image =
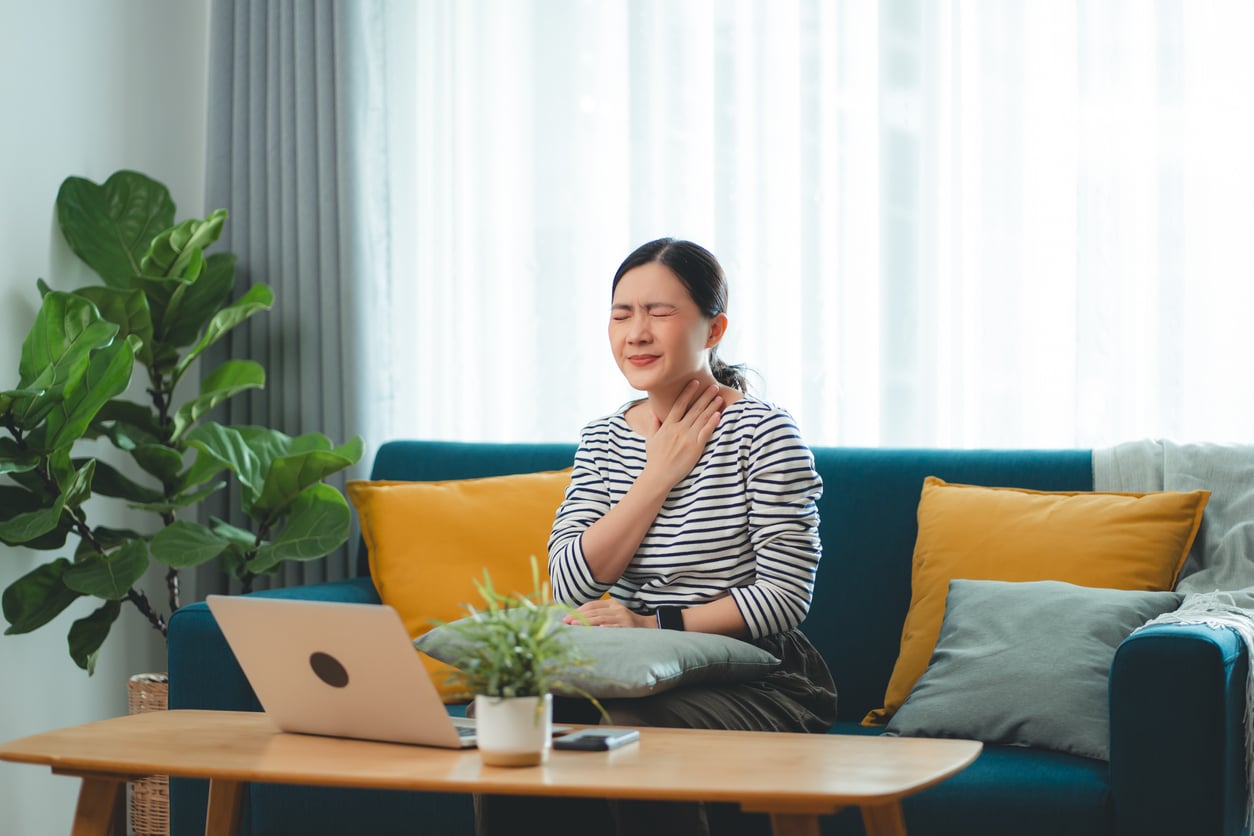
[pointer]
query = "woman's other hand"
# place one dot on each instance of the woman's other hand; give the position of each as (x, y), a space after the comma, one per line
(607, 613)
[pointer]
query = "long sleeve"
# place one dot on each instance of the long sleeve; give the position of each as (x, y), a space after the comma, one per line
(783, 489)
(586, 501)
(744, 522)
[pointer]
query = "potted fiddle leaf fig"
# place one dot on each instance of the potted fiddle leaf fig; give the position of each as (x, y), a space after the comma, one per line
(161, 303)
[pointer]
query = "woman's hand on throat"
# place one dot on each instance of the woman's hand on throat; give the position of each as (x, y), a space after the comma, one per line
(674, 445)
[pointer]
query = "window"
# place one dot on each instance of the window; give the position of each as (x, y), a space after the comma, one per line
(945, 223)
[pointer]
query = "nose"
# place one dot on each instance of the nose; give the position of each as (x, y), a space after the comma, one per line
(638, 330)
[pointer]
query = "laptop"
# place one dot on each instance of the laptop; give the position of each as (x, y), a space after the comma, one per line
(337, 669)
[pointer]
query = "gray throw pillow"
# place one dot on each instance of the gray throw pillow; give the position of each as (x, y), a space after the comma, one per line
(1026, 664)
(635, 662)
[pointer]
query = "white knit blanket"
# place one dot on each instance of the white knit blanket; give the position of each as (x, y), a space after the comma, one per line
(1218, 576)
(1222, 556)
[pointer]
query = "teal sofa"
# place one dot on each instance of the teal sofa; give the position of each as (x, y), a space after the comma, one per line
(1177, 693)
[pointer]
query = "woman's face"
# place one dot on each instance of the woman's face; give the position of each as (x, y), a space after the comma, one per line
(659, 337)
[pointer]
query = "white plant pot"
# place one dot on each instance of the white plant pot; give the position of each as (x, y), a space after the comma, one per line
(511, 732)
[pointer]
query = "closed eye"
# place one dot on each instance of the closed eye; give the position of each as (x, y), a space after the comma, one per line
(622, 313)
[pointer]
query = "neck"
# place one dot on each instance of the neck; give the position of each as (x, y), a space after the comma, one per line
(661, 400)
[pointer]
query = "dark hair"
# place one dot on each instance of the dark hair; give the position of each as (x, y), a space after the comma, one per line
(702, 276)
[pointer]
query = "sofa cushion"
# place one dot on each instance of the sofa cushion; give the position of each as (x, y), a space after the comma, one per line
(1113, 540)
(1027, 792)
(1009, 789)
(632, 661)
(1027, 664)
(428, 542)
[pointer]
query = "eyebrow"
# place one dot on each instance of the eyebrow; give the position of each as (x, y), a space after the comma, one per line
(648, 306)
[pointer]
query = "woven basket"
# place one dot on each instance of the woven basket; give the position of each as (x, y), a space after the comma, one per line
(150, 797)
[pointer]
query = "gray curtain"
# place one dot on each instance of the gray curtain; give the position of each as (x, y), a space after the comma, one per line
(291, 133)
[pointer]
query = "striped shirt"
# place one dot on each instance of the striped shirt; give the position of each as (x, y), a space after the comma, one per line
(744, 522)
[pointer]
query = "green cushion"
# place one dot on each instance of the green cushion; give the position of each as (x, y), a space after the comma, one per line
(1026, 664)
(631, 661)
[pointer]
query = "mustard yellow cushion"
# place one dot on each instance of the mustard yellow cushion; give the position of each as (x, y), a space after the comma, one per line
(1093, 539)
(429, 542)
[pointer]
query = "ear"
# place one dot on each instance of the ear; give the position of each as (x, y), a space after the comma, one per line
(718, 327)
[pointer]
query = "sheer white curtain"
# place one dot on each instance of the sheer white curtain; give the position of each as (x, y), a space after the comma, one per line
(944, 223)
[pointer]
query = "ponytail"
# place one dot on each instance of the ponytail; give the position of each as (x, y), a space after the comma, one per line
(730, 376)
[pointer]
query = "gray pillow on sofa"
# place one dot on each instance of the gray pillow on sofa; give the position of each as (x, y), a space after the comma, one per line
(635, 662)
(1026, 664)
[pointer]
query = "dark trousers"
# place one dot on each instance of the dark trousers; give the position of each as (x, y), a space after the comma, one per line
(799, 696)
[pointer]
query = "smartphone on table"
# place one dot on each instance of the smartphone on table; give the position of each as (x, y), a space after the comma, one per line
(596, 740)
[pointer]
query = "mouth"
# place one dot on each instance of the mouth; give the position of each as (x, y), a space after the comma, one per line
(639, 360)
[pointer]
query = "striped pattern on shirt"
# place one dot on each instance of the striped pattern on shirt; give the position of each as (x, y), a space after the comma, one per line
(744, 522)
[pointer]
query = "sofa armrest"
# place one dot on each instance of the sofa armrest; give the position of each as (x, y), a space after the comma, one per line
(203, 671)
(1177, 732)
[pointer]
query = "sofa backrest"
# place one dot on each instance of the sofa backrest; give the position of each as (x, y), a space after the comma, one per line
(868, 528)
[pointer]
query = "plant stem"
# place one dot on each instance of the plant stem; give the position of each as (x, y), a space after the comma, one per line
(84, 530)
(172, 586)
(161, 403)
(159, 393)
(77, 515)
(135, 596)
(172, 574)
(246, 577)
(140, 600)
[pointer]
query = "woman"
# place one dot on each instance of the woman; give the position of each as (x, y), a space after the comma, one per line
(694, 507)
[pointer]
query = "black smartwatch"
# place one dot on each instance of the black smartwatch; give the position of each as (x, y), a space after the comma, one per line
(670, 618)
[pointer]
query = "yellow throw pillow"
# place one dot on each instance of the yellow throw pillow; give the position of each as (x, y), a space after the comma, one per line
(1087, 538)
(429, 542)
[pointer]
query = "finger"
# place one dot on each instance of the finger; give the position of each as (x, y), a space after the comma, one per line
(714, 407)
(685, 400)
(697, 410)
(581, 614)
(704, 414)
(603, 618)
(707, 429)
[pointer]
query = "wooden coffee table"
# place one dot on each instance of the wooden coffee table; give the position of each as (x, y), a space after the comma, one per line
(793, 777)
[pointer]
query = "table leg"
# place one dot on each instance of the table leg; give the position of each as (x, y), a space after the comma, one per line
(100, 810)
(883, 820)
(794, 824)
(226, 800)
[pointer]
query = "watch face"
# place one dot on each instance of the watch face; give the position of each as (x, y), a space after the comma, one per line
(670, 618)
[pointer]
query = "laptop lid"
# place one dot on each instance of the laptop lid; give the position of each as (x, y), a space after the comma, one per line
(334, 668)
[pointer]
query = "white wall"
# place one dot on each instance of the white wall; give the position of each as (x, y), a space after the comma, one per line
(86, 88)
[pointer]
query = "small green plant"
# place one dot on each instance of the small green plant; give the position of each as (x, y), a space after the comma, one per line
(515, 645)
